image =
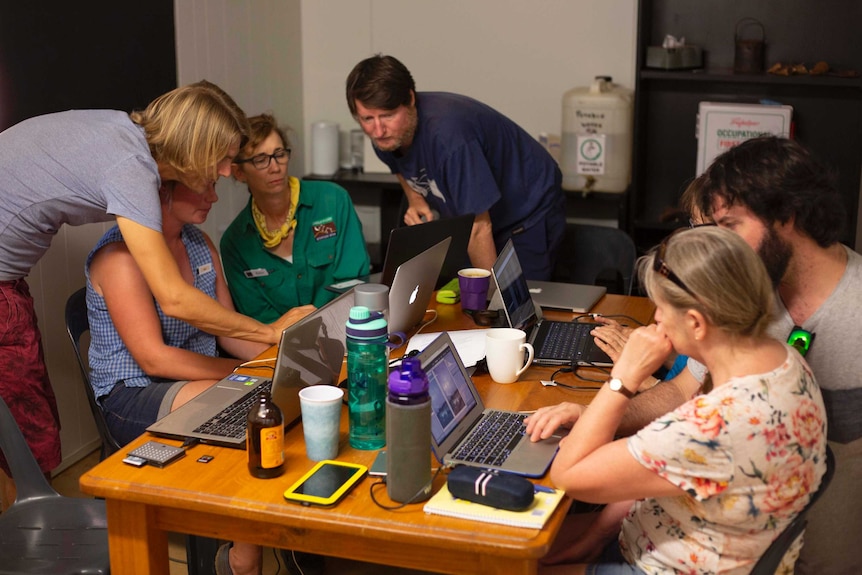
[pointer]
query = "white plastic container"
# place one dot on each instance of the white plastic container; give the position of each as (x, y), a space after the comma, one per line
(596, 153)
(324, 148)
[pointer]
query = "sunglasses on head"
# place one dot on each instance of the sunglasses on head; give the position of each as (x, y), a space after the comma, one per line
(660, 266)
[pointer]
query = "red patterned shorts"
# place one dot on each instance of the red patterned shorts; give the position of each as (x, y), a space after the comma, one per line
(25, 386)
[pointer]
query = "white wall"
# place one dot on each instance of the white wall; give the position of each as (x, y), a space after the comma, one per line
(519, 57)
(291, 57)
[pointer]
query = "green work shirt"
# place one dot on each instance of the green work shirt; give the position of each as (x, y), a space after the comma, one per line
(328, 247)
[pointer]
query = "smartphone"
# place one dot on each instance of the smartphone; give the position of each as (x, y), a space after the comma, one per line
(378, 468)
(326, 483)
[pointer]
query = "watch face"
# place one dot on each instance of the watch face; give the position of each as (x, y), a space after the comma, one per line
(617, 385)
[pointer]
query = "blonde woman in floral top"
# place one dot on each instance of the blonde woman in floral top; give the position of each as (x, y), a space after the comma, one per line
(716, 480)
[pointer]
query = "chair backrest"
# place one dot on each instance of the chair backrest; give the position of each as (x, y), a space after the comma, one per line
(77, 324)
(596, 255)
(43, 532)
(771, 559)
(30, 482)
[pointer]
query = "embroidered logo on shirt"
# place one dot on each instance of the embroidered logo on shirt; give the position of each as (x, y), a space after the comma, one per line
(323, 229)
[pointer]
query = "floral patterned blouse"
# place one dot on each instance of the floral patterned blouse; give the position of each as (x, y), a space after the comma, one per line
(748, 455)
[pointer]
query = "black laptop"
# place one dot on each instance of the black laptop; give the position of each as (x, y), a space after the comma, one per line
(554, 342)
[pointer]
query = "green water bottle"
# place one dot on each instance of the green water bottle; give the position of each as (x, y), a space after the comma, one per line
(367, 374)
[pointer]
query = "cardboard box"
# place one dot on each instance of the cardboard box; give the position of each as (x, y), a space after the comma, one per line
(721, 126)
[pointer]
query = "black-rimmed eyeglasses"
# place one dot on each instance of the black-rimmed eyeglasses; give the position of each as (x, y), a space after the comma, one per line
(261, 161)
(660, 266)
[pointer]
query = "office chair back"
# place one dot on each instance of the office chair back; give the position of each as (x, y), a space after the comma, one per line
(77, 324)
(43, 532)
(771, 559)
(596, 255)
(200, 550)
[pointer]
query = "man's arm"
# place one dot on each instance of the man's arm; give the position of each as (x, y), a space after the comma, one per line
(656, 401)
(481, 248)
(181, 300)
(642, 408)
(417, 207)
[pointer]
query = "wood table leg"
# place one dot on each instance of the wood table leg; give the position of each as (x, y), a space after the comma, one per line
(136, 546)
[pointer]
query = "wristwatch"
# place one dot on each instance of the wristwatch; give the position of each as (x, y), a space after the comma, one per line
(616, 384)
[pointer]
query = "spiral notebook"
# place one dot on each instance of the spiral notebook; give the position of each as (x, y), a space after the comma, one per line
(535, 517)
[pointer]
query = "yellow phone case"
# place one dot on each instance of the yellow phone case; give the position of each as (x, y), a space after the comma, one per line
(326, 483)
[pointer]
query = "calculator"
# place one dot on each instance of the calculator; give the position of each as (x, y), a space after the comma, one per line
(155, 453)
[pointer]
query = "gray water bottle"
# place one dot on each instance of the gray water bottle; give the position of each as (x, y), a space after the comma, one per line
(408, 434)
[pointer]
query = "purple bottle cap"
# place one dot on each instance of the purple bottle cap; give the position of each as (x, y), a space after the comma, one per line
(410, 379)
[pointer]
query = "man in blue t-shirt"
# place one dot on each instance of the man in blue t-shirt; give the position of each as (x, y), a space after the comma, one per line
(454, 155)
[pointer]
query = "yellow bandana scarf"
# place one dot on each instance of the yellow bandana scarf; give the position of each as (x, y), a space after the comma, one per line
(271, 238)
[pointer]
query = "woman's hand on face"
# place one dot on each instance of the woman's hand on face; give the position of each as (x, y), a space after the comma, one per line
(546, 420)
(611, 337)
(645, 351)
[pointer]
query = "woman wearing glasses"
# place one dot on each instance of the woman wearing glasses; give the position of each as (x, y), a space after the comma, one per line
(293, 238)
(713, 482)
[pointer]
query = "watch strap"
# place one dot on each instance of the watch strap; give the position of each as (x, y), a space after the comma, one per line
(616, 385)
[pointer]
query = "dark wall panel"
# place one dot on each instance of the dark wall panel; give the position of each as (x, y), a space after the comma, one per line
(90, 54)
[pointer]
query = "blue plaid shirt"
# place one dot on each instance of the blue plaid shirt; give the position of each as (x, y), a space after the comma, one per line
(110, 360)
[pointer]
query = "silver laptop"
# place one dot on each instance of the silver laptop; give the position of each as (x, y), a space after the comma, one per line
(413, 286)
(554, 342)
(460, 422)
(311, 352)
(576, 298)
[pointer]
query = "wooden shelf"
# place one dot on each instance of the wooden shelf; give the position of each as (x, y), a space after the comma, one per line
(726, 75)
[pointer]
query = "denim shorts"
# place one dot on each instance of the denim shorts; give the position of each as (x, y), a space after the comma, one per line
(612, 562)
(130, 410)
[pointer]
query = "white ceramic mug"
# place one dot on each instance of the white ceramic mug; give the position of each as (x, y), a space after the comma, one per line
(504, 353)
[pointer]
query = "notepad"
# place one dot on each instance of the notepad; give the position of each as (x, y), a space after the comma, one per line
(534, 517)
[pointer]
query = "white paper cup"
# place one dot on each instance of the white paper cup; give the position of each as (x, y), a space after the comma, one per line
(321, 420)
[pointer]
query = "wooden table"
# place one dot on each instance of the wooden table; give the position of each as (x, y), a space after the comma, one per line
(221, 500)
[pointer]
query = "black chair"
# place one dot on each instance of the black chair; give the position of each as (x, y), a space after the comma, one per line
(200, 550)
(77, 325)
(43, 532)
(769, 561)
(596, 255)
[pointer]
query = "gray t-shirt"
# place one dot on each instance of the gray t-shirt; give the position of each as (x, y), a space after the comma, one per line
(834, 356)
(73, 167)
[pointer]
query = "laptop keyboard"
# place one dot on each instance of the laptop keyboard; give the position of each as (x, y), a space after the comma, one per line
(233, 419)
(492, 439)
(565, 340)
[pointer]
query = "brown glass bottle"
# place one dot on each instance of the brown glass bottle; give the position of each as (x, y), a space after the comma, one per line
(265, 438)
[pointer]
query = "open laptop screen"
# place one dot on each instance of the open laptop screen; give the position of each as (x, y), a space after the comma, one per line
(452, 396)
(517, 301)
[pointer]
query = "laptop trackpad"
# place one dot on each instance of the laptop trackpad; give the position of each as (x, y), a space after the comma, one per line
(528, 456)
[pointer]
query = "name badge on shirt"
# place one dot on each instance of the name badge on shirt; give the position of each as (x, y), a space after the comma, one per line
(323, 229)
(256, 273)
(205, 269)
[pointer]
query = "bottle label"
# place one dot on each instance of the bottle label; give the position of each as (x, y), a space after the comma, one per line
(271, 446)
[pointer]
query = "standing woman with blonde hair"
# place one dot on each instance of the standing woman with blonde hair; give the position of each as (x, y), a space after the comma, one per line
(720, 477)
(84, 166)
